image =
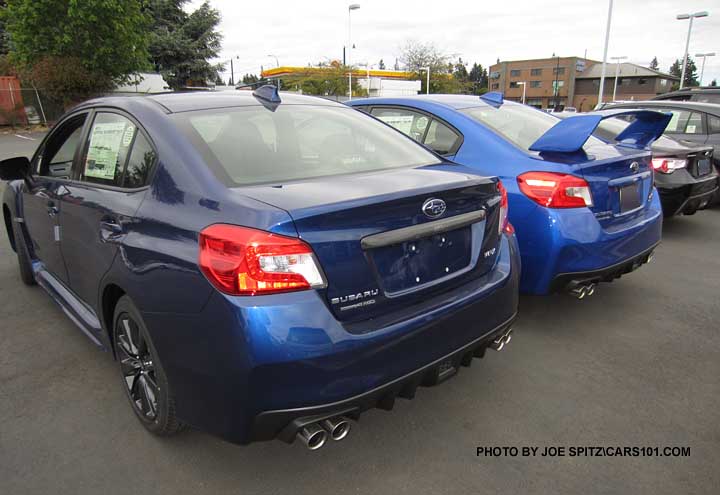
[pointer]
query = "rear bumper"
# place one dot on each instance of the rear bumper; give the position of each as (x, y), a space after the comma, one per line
(284, 424)
(246, 368)
(561, 242)
(680, 192)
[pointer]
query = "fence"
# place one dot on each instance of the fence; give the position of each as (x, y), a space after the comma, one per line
(25, 106)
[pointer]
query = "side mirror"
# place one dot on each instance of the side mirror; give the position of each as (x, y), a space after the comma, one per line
(14, 168)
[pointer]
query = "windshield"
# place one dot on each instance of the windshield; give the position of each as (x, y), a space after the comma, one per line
(253, 145)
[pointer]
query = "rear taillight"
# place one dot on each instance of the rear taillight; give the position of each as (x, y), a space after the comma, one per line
(667, 165)
(503, 224)
(245, 262)
(554, 190)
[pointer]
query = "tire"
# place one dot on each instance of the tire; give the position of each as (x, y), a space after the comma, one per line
(23, 256)
(142, 374)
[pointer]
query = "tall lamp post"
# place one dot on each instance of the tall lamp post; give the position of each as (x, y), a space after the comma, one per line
(682, 17)
(617, 72)
(427, 84)
(277, 64)
(703, 56)
(232, 70)
(524, 84)
(604, 62)
(351, 7)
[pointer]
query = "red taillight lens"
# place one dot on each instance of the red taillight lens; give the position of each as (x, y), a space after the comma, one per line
(245, 262)
(503, 224)
(554, 190)
(667, 165)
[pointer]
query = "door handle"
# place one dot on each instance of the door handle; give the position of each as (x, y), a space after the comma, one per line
(110, 231)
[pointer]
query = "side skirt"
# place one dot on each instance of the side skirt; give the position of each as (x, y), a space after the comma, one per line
(74, 308)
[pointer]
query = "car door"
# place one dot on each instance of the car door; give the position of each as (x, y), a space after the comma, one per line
(110, 181)
(52, 167)
(422, 127)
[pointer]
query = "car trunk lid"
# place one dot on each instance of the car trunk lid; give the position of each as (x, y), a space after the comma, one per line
(384, 240)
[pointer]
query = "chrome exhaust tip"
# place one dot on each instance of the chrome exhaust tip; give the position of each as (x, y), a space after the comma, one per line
(501, 341)
(338, 428)
(590, 290)
(312, 435)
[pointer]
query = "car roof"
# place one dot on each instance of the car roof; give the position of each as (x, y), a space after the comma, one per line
(450, 101)
(205, 100)
(712, 108)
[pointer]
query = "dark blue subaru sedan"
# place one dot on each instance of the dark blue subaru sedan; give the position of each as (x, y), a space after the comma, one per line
(262, 266)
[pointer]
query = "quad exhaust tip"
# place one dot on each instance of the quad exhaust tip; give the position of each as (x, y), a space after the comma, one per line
(502, 341)
(338, 428)
(313, 436)
(582, 291)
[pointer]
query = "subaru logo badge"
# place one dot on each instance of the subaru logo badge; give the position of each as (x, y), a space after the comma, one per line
(433, 207)
(634, 166)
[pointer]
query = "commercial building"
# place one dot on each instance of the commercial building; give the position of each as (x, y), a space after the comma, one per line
(574, 81)
(634, 82)
(387, 83)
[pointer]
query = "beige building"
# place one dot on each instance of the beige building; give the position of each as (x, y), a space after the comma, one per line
(573, 81)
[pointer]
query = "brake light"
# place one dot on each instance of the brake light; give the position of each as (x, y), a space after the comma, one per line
(503, 223)
(246, 262)
(554, 190)
(667, 165)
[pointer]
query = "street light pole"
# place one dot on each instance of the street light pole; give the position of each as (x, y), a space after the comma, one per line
(277, 64)
(351, 7)
(617, 72)
(524, 84)
(703, 56)
(427, 84)
(604, 62)
(682, 17)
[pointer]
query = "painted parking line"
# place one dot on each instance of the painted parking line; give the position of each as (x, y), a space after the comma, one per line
(25, 137)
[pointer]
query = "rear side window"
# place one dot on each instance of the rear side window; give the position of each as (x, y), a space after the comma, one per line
(714, 124)
(253, 145)
(518, 124)
(441, 139)
(685, 122)
(118, 154)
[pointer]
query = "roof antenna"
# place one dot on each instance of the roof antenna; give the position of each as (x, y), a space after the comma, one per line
(268, 96)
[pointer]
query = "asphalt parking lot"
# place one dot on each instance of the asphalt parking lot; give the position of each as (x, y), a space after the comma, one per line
(637, 364)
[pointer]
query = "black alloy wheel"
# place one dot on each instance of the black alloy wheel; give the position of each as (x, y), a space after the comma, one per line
(143, 377)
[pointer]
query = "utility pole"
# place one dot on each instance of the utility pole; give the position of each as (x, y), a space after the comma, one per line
(604, 62)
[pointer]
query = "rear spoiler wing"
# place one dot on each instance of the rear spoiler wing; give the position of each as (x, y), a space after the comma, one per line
(569, 135)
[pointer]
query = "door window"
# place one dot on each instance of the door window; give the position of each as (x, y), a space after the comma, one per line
(413, 124)
(118, 154)
(59, 151)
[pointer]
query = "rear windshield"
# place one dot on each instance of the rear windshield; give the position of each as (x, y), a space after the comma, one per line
(519, 124)
(253, 145)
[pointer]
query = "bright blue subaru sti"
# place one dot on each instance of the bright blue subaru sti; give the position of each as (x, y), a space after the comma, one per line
(262, 266)
(584, 211)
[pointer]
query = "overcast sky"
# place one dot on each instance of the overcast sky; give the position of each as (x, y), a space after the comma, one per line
(302, 32)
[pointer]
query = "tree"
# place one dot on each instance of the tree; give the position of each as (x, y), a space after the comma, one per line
(416, 55)
(654, 64)
(3, 34)
(381, 65)
(478, 76)
(459, 71)
(690, 72)
(106, 37)
(329, 80)
(713, 82)
(182, 44)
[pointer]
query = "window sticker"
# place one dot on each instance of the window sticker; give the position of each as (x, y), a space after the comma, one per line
(690, 129)
(105, 144)
(128, 136)
(402, 123)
